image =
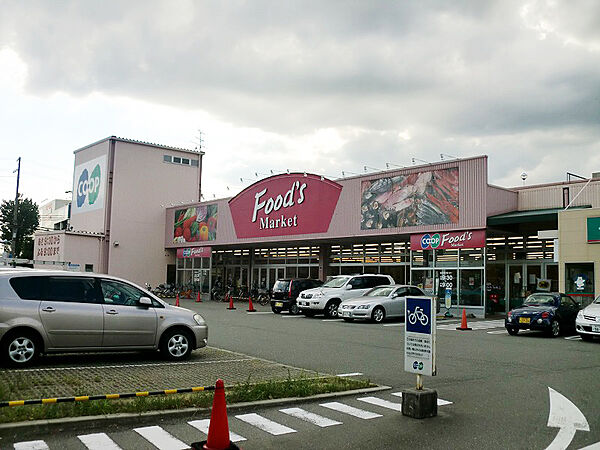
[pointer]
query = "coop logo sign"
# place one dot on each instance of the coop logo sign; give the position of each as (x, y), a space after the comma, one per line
(452, 239)
(288, 204)
(89, 185)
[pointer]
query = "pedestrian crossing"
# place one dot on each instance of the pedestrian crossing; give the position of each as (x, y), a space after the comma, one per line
(165, 440)
(475, 325)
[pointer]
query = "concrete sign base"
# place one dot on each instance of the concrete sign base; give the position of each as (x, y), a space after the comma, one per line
(419, 404)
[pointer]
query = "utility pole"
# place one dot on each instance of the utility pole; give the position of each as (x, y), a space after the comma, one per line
(14, 234)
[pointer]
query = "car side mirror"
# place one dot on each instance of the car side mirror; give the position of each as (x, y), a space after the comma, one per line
(348, 287)
(145, 301)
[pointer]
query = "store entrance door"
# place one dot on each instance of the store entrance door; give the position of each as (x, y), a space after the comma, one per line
(275, 272)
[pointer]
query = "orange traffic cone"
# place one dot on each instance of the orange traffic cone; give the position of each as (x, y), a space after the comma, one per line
(231, 302)
(218, 429)
(177, 300)
(250, 305)
(463, 323)
(198, 299)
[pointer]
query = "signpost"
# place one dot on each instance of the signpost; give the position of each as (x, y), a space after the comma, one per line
(419, 356)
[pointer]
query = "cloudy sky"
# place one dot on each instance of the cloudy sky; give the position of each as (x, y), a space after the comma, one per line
(319, 86)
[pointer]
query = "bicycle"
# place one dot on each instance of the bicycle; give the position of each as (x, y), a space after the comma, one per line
(418, 314)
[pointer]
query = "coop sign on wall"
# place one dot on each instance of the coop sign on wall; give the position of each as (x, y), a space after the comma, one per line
(89, 186)
(284, 205)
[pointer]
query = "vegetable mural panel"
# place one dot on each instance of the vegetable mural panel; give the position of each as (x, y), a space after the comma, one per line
(196, 224)
(424, 198)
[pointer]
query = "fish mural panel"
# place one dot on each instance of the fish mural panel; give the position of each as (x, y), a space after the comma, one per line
(423, 198)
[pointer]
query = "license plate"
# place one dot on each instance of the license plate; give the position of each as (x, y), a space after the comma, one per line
(278, 304)
(596, 328)
(524, 319)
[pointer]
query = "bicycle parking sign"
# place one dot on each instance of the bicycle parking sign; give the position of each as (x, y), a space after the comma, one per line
(419, 336)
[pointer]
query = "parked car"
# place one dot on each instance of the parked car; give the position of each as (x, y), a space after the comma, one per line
(52, 311)
(550, 312)
(588, 321)
(286, 291)
(327, 298)
(379, 303)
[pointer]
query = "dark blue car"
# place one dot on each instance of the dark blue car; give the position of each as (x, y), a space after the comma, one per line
(550, 312)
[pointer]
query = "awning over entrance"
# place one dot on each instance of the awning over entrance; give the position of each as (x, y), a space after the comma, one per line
(536, 215)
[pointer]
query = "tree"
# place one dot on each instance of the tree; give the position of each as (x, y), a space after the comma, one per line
(28, 220)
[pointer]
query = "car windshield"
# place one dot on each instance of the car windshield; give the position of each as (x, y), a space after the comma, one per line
(380, 291)
(281, 286)
(539, 300)
(336, 282)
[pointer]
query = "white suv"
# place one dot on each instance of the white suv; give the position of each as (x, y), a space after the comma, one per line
(327, 298)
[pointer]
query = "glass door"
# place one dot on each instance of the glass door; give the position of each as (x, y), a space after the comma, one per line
(516, 286)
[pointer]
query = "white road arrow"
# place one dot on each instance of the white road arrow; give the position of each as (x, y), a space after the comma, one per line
(566, 416)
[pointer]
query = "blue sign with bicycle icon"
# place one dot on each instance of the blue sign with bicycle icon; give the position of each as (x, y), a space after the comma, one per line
(418, 315)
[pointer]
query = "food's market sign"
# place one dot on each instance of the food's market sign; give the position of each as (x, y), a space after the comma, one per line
(285, 205)
(194, 252)
(454, 239)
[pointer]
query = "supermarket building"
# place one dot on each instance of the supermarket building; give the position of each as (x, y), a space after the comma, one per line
(440, 226)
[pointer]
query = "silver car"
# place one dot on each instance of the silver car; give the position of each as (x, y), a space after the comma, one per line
(379, 303)
(52, 311)
(588, 321)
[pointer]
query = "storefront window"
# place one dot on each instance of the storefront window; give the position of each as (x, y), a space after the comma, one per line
(579, 280)
(471, 257)
(552, 276)
(423, 279)
(446, 258)
(397, 272)
(446, 284)
(495, 289)
(471, 287)
(422, 258)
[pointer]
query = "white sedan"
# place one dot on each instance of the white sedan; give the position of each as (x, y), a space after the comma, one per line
(588, 321)
(379, 303)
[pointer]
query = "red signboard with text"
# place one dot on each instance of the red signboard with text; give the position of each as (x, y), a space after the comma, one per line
(194, 252)
(285, 205)
(451, 239)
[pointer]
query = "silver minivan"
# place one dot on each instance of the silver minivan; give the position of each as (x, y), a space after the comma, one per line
(43, 311)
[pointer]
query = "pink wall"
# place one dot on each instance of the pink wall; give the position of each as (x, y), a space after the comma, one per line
(500, 200)
(346, 220)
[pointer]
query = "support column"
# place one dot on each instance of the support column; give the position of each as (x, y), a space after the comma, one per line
(324, 251)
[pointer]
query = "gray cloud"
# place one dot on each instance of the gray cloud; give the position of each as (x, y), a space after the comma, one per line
(473, 77)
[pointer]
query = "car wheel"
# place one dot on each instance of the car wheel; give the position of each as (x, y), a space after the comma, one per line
(512, 331)
(294, 310)
(21, 349)
(176, 345)
(331, 310)
(378, 314)
(276, 310)
(554, 328)
(347, 319)
(586, 337)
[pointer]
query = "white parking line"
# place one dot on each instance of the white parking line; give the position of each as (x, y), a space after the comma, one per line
(331, 320)
(498, 332)
(31, 445)
(440, 402)
(352, 374)
(355, 412)
(573, 338)
(265, 424)
(259, 312)
(160, 438)
(202, 425)
(380, 402)
(394, 325)
(291, 316)
(315, 419)
(98, 441)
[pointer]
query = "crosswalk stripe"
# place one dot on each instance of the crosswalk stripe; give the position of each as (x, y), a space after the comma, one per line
(202, 425)
(315, 419)
(380, 402)
(31, 445)
(265, 424)
(98, 441)
(160, 438)
(440, 402)
(360, 413)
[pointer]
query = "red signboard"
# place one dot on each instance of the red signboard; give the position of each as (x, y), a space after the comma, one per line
(194, 252)
(285, 205)
(450, 239)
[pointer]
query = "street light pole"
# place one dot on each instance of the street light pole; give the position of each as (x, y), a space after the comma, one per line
(14, 234)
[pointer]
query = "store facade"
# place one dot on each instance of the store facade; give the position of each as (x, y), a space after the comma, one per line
(422, 225)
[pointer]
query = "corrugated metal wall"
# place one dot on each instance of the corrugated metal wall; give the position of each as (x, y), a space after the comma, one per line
(545, 197)
(501, 200)
(346, 220)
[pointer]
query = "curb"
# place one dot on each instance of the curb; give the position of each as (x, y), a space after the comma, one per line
(45, 426)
